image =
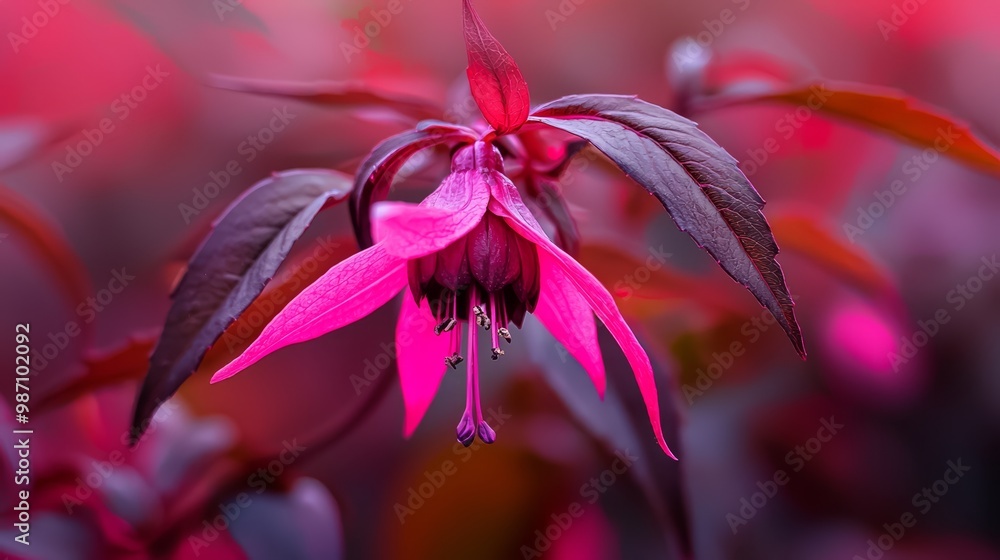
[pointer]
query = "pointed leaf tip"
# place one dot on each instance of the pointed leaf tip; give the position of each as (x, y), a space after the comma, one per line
(494, 78)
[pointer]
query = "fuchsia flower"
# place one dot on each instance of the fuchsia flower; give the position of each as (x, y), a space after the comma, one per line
(471, 255)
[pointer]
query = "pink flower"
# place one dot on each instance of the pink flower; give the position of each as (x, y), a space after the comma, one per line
(471, 256)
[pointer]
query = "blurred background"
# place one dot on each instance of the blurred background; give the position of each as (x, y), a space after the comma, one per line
(115, 157)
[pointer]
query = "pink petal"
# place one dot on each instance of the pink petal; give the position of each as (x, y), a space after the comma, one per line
(507, 203)
(420, 359)
(568, 316)
(411, 231)
(347, 292)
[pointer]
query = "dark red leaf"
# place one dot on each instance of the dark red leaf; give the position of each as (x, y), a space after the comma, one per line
(331, 94)
(884, 110)
(377, 171)
(226, 274)
(694, 178)
(496, 82)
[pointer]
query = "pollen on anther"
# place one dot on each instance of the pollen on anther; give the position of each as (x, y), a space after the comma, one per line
(504, 333)
(497, 353)
(454, 360)
(445, 326)
(481, 319)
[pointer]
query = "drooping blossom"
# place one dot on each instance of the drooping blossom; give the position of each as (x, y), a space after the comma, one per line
(472, 256)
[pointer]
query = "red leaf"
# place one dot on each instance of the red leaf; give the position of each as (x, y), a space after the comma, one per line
(330, 94)
(888, 111)
(496, 82)
(694, 178)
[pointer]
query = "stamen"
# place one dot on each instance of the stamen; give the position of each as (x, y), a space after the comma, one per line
(472, 419)
(445, 326)
(497, 352)
(503, 332)
(502, 307)
(456, 340)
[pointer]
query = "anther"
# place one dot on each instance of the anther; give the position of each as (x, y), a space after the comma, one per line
(481, 319)
(446, 325)
(503, 332)
(454, 360)
(497, 353)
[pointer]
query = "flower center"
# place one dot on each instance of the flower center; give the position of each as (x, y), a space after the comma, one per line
(489, 280)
